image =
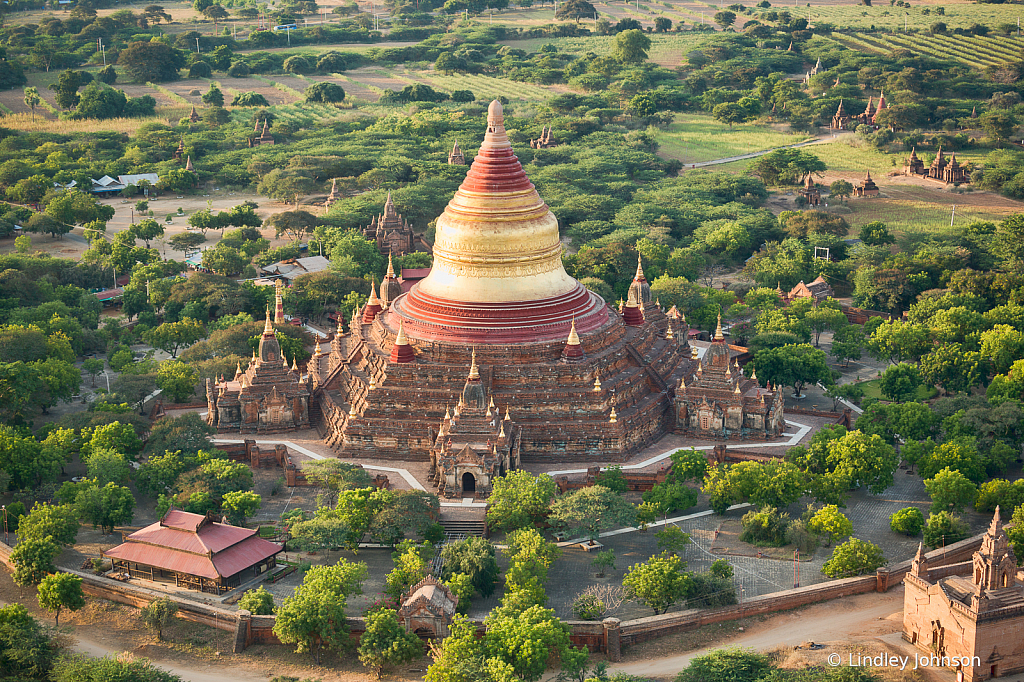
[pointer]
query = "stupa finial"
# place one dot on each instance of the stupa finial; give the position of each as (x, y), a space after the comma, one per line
(718, 331)
(474, 371)
(391, 267)
(268, 328)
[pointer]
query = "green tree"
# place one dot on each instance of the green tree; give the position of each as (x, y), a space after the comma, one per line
(525, 640)
(215, 12)
(999, 125)
(898, 341)
(158, 615)
(93, 366)
(589, 511)
(604, 561)
(59, 523)
(953, 366)
(631, 46)
(831, 523)
(853, 557)
(150, 61)
(841, 189)
(249, 99)
(730, 112)
(945, 529)
(107, 466)
(258, 602)
(325, 93)
(33, 560)
(214, 97)
(106, 507)
(177, 380)
(659, 583)
(824, 318)
(950, 490)
(28, 651)
(876, 233)
(60, 591)
(899, 383)
(170, 336)
(725, 18)
(473, 557)
(576, 9)
(66, 88)
(672, 539)
(908, 521)
(240, 505)
(80, 668)
(33, 99)
(385, 642)
(519, 499)
(793, 365)
(313, 618)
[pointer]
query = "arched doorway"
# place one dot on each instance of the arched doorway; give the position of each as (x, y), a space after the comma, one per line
(468, 483)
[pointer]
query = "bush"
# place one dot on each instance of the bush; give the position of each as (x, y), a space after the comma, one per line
(853, 557)
(765, 528)
(296, 64)
(798, 535)
(325, 93)
(588, 607)
(239, 70)
(159, 614)
(258, 602)
(945, 529)
(908, 521)
(463, 96)
(200, 70)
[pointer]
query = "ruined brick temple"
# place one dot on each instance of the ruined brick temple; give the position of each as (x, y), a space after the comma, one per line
(498, 355)
(267, 397)
(969, 615)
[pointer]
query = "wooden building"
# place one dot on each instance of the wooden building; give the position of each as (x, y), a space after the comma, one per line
(194, 551)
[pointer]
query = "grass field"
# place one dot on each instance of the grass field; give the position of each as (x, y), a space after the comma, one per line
(884, 16)
(871, 390)
(692, 138)
(975, 51)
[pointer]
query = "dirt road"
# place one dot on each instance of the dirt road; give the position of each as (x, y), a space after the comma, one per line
(862, 617)
(207, 673)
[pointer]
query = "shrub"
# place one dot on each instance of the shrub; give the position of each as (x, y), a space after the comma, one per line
(258, 602)
(200, 70)
(765, 528)
(239, 70)
(908, 521)
(799, 536)
(853, 557)
(945, 529)
(588, 607)
(296, 64)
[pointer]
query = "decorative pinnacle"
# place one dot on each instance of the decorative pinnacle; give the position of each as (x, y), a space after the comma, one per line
(613, 417)
(352, 410)
(668, 334)
(574, 339)
(391, 268)
(639, 269)
(508, 417)
(597, 383)
(718, 332)
(373, 293)
(401, 339)
(474, 372)
(268, 328)
(295, 366)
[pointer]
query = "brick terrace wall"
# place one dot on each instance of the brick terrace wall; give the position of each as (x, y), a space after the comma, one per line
(890, 576)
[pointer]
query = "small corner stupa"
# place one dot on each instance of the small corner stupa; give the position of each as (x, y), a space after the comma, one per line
(499, 301)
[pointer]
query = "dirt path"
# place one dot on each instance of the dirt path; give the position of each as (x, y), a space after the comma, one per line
(865, 616)
(822, 139)
(208, 673)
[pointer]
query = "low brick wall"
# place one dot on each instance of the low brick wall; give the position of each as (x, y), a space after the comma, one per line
(653, 627)
(892, 575)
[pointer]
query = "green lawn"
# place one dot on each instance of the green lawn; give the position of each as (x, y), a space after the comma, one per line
(871, 391)
(695, 137)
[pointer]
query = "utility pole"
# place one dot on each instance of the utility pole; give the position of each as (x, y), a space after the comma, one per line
(198, 51)
(951, 215)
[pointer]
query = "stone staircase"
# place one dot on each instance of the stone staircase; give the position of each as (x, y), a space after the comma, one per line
(464, 522)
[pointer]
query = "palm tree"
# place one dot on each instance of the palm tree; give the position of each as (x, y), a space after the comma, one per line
(32, 99)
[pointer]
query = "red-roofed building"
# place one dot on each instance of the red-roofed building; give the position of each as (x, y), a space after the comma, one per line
(195, 552)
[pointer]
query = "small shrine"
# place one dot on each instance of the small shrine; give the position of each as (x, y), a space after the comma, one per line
(268, 397)
(474, 444)
(194, 116)
(868, 188)
(261, 137)
(544, 141)
(811, 192)
(180, 151)
(840, 119)
(456, 157)
(391, 231)
(427, 608)
(914, 165)
(818, 289)
(718, 401)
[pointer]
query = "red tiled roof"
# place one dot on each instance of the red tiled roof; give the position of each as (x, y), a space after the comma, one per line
(190, 543)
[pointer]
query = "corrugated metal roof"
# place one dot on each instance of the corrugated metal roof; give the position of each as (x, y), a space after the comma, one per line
(188, 543)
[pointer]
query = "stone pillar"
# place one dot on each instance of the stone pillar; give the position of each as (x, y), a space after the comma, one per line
(612, 639)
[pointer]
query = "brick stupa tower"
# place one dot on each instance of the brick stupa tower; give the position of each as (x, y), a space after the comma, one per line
(548, 352)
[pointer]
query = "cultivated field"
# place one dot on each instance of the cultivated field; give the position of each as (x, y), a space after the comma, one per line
(883, 16)
(976, 51)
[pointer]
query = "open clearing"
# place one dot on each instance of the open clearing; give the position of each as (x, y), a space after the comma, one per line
(692, 138)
